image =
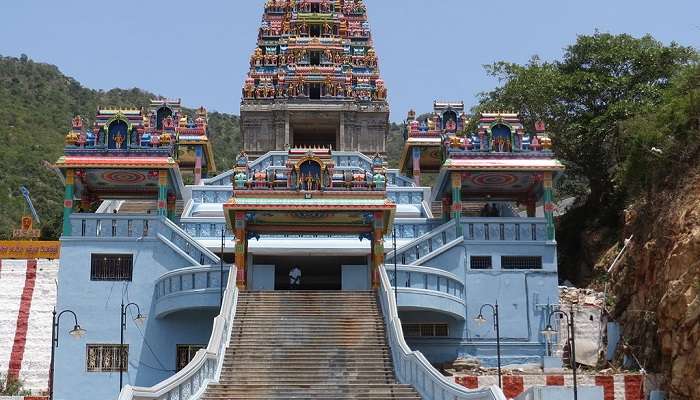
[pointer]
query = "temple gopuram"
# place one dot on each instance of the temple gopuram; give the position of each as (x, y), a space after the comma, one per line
(314, 81)
(309, 268)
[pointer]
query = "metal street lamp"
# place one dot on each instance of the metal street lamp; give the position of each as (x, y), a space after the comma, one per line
(77, 332)
(480, 320)
(549, 334)
(140, 320)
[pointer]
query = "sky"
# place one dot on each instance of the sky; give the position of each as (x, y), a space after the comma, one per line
(429, 49)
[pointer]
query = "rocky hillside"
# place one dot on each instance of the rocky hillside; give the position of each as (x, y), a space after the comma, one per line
(657, 288)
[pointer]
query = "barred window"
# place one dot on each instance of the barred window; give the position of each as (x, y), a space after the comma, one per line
(521, 262)
(480, 262)
(107, 357)
(185, 354)
(111, 267)
(425, 330)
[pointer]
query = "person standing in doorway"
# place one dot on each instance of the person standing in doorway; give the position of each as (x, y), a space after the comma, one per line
(295, 278)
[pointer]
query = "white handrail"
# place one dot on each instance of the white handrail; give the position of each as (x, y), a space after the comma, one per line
(412, 368)
(431, 234)
(213, 258)
(190, 382)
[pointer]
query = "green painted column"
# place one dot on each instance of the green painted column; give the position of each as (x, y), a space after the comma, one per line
(68, 202)
(549, 205)
(163, 193)
(172, 207)
(457, 200)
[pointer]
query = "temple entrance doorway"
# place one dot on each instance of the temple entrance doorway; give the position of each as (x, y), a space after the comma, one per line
(310, 273)
(320, 131)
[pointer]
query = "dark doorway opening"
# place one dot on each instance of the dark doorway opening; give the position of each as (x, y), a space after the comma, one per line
(312, 129)
(315, 58)
(161, 114)
(317, 272)
(315, 91)
(315, 30)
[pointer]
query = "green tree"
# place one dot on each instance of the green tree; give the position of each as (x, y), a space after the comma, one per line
(664, 140)
(37, 103)
(602, 80)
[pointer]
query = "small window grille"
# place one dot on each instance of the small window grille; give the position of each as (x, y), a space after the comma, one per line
(411, 330)
(107, 357)
(425, 330)
(185, 354)
(111, 267)
(521, 262)
(441, 330)
(480, 262)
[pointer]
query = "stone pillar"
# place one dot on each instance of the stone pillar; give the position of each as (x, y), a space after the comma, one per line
(531, 206)
(198, 154)
(162, 192)
(549, 205)
(68, 202)
(377, 247)
(341, 133)
(241, 249)
(446, 207)
(416, 165)
(287, 131)
(457, 200)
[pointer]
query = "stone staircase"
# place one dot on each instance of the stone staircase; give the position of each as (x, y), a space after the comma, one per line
(308, 345)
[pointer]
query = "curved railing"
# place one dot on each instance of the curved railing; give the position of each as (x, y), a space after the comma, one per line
(426, 278)
(188, 288)
(424, 245)
(429, 289)
(412, 368)
(205, 367)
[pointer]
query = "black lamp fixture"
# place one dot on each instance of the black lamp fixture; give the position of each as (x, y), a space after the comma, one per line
(549, 334)
(140, 320)
(480, 320)
(77, 332)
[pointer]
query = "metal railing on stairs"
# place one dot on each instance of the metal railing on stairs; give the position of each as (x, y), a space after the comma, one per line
(199, 254)
(191, 382)
(424, 245)
(412, 368)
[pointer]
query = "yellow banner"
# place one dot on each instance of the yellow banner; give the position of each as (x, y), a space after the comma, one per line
(25, 250)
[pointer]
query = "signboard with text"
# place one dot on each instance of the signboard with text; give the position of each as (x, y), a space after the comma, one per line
(28, 250)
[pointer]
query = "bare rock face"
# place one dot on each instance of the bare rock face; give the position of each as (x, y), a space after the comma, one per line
(657, 287)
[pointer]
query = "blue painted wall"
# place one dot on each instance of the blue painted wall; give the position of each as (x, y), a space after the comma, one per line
(524, 298)
(97, 305)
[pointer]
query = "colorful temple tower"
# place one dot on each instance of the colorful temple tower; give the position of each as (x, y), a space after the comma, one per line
(314, 80)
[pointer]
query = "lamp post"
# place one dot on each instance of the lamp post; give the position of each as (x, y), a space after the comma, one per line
(77, 332)
(140, 318)
(396, 289)
(496, 324)
(549, 333)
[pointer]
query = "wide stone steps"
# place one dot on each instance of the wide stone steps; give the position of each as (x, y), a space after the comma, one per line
(308, 345)
(318, 392)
